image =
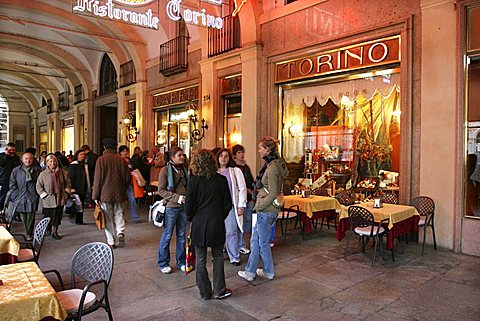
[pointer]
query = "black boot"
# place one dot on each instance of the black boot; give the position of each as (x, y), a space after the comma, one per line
(79, 218)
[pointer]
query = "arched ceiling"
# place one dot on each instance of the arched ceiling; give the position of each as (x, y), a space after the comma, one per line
(46, 49)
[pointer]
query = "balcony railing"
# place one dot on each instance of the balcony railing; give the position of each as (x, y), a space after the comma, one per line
(63, 102)
(174, 56)
(225, 39)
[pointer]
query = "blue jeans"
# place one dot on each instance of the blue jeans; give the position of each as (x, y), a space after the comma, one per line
(132, 204)
(247, 224)
(260, 246)
(174, 217)
(232, 238)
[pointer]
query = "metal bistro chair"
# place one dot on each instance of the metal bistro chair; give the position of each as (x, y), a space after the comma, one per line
(390, 198)
(8, 214)
(93, 263)
(31, 251)
(287, 215)
(362, 223)
(426, 208)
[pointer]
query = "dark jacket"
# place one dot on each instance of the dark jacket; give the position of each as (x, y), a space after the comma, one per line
(249, 181)
(137, 162)
(7, 164)
(207, 204)
(112, 177)
(23, 191)
(78, 177)
(91, 161)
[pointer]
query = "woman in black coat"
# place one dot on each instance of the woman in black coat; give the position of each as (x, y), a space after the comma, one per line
(207, 204)
(80, 181)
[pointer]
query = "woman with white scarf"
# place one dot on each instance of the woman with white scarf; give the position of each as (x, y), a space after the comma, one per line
(238, 190)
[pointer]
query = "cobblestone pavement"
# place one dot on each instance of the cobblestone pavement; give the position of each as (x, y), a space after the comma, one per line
(313, 281)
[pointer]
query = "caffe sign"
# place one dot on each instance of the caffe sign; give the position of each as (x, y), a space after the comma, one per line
(175, 97)
(367, 54)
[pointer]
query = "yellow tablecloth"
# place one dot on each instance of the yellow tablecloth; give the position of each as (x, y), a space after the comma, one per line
(26, 294)
(8, 244)
(394, 212)
(312, 204)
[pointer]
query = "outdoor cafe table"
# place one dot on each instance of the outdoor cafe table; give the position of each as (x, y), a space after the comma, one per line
(313, 208)
(9, 247)
(402, 220)
(26, 294)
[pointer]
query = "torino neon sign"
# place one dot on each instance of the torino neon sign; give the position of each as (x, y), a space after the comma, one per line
(199, 18)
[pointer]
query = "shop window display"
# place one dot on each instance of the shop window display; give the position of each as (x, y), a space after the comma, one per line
(346, 130)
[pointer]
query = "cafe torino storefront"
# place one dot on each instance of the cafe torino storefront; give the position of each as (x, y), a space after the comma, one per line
(340, 111)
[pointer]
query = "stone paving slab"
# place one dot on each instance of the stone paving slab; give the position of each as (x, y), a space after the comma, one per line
(313, 280)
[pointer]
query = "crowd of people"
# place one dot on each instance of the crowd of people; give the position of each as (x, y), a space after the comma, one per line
(218, 195)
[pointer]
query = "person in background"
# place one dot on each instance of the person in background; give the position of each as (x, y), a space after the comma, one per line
(137, 162)
(53, 187)
(8, 161)
(33, 151)
(268, 185)
(156, 162)
(70, 157)
(77, 171)
(112, 177)
(23, 182)
(238, 191)
(91, 161)
(239, 157)
(62, 160)
(208, 203)
(42, 160)
(124, 152)
(172, 184)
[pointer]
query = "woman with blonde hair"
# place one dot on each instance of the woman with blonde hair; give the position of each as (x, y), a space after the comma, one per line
(268, 185)
(207, 205)
(53, 186)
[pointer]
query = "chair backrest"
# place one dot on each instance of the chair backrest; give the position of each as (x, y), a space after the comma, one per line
(9, 212)
(360, 217)
(38, 235)
(285, 213)
(424, 205)
(390, 198)
(93, 262)
(346, 197)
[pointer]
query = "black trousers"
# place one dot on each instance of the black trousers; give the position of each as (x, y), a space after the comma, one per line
(203, 282)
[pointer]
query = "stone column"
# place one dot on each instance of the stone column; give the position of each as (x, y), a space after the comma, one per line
(210, 88)
(438, 110)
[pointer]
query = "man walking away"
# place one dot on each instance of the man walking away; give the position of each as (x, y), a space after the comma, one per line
(112, 177)
(91, 161)
(8, 161)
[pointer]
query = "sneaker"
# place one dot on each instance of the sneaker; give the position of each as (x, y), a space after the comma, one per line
(183, 268)
(261, 273)
(235, 263)
(166, 270)
(272, 244)
(121, 240)
(225, 294)
(244, 275)
(244, 251)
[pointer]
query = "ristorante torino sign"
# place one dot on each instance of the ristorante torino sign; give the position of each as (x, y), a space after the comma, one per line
(108, 10)
(366, 54)
(196, 17)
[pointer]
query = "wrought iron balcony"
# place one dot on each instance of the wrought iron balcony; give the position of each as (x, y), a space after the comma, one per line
(225, 39)
(174, 56)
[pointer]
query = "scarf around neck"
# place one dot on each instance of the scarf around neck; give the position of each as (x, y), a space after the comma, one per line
(258, 185)
(171, 167)
(28, 173)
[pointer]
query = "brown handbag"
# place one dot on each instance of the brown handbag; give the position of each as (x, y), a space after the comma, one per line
(99, 216)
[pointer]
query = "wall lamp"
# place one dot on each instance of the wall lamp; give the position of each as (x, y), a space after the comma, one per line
(132, 131)
(197, 133)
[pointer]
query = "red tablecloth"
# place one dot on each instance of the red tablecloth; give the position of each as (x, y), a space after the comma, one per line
(7, 258)
(400, 228)
(307, 221)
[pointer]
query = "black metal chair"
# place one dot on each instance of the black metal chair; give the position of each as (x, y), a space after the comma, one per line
(8, 214)
(390, 198)
(363, 224)
(426, 208)
(31, 251)
(93, 263)
(346, 197)
(288, 215)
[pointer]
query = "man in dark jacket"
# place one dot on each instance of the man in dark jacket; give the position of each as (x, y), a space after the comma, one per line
(91, 161)
(112, 177)
(8, 161)
(22, 189)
